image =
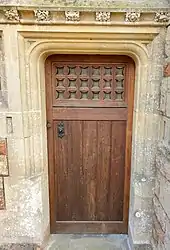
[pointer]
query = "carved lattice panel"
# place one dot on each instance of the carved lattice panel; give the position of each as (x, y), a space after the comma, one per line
(94, 83)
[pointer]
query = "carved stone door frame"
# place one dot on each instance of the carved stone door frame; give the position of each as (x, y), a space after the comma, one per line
(35, 46)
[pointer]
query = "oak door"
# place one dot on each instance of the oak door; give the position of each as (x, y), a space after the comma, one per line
(89, 102)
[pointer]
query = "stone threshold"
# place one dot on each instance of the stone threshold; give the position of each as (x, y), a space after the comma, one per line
(15, 246)
(35, 247)
(142, 247)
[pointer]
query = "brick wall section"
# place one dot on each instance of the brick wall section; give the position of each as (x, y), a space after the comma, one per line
(161, 201)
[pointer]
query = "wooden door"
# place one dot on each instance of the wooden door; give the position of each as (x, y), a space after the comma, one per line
(89, 122)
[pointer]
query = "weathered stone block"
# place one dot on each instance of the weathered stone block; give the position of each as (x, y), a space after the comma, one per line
(163, 160)
(167, 234)
(163, 95)
(142, 247)
(19, 247)
(2, 195)
(167, 70)
(2, 124)
(160, 213)
(4, 170)
(168, 98)
(164, 196)
(3, 147)
(16, 156)
(24, 211)
(158, 233)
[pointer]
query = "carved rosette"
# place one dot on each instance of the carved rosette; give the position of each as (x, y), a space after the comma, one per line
(162, 17)
(102, 16)
(72, 16)
(12, 14)
(132, 17)
(42, 15)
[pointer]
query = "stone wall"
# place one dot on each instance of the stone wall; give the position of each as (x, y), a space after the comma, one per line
(24, 215)
(20, 189)
(4, 171)
(161, 201)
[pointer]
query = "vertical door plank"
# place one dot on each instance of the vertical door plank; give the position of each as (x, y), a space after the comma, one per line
(116, 177)
(103, 168)
(68, 175)
(74, 156)
(89, 167)
(61, 174)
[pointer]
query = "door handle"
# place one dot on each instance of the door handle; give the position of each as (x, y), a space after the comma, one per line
(48, 124)
(60, 129)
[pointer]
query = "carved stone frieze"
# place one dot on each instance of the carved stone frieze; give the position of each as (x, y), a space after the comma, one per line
(132, 17)
(18, 14)
(162, 17)
(72, 16)
(42, 15)
(12, 14)
(103, 16)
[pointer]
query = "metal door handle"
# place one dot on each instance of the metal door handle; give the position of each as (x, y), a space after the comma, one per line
(60, 129)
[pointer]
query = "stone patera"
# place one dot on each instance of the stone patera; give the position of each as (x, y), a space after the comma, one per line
(42, 15)
(72, 16)
(12, 14)
(102, 16)
(132, 17)
(162, 17)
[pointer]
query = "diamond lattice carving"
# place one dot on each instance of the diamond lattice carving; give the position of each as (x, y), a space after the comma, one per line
(119, 83)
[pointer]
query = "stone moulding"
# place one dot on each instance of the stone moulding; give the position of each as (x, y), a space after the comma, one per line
(31, 15)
